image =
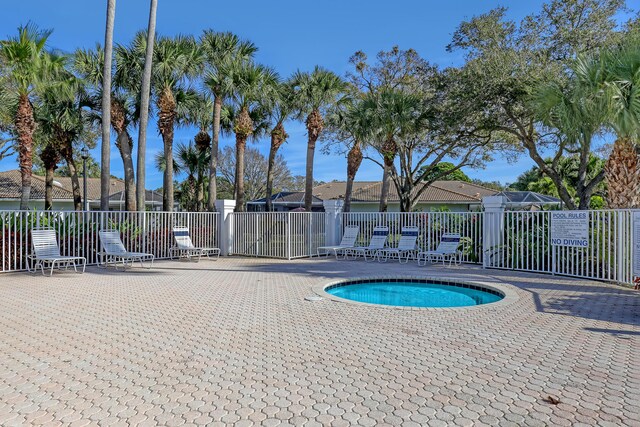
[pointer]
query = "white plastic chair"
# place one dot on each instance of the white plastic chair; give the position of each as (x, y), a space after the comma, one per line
(447, 248)
(406, 246)
(348, 241)
(114, 251)
(184, 246)
(46, 252)
(377, 242)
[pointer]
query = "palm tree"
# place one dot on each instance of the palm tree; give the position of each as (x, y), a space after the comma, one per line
(314, 92)
(89, 65)
(622, 86)
(251, 88)
(577, 112)
(64, 120)
(221, 51)
(397, 114)
(175, 60)
(281, 106)
(105, 161)
(352, 122)
(26, 66)
(50, 156)
(145, 94)
(197, 112)
(193, 162)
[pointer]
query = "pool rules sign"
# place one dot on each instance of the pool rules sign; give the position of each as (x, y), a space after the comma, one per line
(570, 229)
(636, 248)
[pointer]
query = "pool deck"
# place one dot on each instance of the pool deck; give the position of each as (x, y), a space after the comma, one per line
(233, 341)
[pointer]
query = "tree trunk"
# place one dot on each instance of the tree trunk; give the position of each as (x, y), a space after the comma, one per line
(166, 121)
(622, 172)
(25, 126)
(278, 136)
(243, 127)
(389, 150)
(48, 188)
(213, 160)
(315, 124)
(241, 143)
(384, 193)
(67, 153)
(354, 159)
(144, 108)
(529, 144)
(105, 160)
(124, 144)
(50, 158)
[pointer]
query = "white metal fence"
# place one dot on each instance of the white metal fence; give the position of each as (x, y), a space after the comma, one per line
(431, 225)
(78, 232)
(284, 235)
(524, 243)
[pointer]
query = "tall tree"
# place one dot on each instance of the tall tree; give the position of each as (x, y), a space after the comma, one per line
(175, 61)
(145, 95)
(621, 75)
(197, 112)
(314, 92)
(105, 150)
(350, 122)
(89, 65)
(26, 66)
(573, 113)
(505, 60)
(64, 121)
(251, 86)
(281, 105)
(222, 51)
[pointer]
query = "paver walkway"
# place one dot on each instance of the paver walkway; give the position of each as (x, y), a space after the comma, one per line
(234, 342)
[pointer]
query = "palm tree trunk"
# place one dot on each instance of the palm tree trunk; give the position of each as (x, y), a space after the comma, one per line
(48, 187)
(50, 158)
(278, 136)
(384, 194)
(213, 160)
(241, 143)
(354, 159)
(389, 151)
(144, 108)
(67, 153)
(622, 172)
(124, 144)
(315, 125)
(105, 167)
(166, 120)
(25, 126)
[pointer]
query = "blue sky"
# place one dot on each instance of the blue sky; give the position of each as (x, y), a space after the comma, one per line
(290, 34)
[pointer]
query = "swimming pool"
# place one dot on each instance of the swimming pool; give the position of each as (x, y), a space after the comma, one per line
(414, 293)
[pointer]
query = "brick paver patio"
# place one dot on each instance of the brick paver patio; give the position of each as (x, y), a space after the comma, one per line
(234, 342)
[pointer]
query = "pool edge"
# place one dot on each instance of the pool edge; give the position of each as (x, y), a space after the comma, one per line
(509, 292)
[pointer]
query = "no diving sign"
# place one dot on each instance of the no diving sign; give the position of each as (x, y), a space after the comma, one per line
(570, 229)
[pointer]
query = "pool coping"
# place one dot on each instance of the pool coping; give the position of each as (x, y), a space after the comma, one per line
(509, 291)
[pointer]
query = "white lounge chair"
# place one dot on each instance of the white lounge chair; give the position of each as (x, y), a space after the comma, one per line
(46, 253)
(406, 246)
(348, 242)
(184, 246)
(377, 242)
(447, 248)
(114, 251)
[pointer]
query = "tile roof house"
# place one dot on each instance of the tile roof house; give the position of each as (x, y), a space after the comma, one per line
(452, 195)
(11, 190)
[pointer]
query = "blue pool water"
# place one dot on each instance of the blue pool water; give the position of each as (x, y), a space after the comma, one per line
(414, 293)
